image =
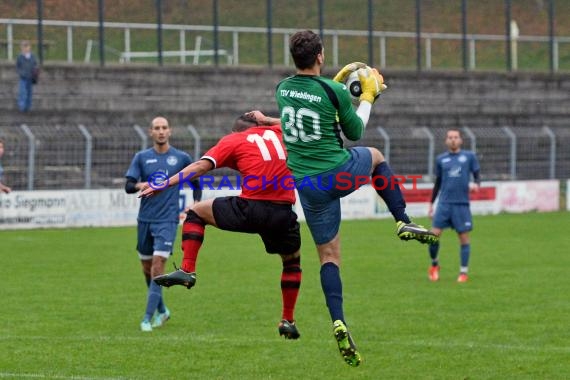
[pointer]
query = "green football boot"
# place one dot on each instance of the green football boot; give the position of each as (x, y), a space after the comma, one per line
(413, 231)
(346, 345)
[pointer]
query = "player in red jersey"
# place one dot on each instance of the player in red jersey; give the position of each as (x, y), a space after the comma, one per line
(264, 207)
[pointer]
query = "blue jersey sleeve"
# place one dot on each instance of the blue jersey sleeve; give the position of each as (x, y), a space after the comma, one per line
(438, 170)
(474, 163)
(134, 170)
(187, 159)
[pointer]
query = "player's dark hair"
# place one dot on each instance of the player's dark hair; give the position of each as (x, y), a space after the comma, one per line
(244, 122)
(304, 47)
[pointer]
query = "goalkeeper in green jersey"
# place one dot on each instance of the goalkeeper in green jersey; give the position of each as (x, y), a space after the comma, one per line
(314, 112)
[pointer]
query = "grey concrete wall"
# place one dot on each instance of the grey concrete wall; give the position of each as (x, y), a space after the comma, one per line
(210, 98)
(108, 101)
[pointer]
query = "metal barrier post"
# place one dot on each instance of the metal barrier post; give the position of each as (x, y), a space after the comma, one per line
(431, 150)
(386, 137)
(127, 44)
(472, 137)
(31, 155)
(182, 38)
(10, 42)
(382, 52)
(70, 44)
(88, 154)
(197, 141)
(513, 165)
(552, 163)
(142, 135)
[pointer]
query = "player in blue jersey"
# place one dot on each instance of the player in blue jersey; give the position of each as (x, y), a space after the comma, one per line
(452, 186)
(158, 216)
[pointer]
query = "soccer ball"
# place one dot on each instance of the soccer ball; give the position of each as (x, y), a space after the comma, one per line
(353, 84)
(354, 87)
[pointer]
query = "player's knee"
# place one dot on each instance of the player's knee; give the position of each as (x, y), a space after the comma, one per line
(146, 272)
(193, 217)
(292, 257)
(463, 238)
(156, 272)
(157, 267)
(377, 157)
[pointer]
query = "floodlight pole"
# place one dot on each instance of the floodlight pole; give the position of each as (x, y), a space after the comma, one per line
(370, 35)
(101, 7)
(269, 34)
(40, 7)
(419, 35)
(508, 34)
(464, 33)
(159, 30)
(551, 35)
(215, 13)
(321, 19)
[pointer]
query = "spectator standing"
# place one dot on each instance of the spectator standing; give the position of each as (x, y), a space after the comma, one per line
(27, 68)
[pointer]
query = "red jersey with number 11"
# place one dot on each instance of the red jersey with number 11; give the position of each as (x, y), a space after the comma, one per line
(259, 155)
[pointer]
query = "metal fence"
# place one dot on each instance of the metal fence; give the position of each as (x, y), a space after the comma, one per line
(200, 43)
(95, 156)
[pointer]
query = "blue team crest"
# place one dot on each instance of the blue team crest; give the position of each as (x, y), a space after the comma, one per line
(462, 158)
(172, 160)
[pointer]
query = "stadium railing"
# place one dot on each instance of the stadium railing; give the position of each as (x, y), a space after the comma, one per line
(87, 157)
(234, 33)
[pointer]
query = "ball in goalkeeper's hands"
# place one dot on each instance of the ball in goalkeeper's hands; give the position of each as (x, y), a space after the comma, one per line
(355, 87)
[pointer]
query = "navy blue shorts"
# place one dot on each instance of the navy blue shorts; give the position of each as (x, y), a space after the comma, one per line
(153, 237)
(320, 194)
(453, 215)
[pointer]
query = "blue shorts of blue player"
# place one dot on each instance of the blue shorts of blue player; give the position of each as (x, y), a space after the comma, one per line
(321, 201)
(453, 215)
(155, 239)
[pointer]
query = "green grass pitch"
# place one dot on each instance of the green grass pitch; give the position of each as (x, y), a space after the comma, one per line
(72, 301)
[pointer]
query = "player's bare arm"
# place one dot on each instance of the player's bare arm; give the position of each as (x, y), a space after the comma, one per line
(262, 119)
(195, 170)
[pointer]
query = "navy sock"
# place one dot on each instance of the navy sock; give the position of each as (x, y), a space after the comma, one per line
(390, 192)
(465, 251)
(160, 307)
(332, 288)
(154, 297)
(433, 251)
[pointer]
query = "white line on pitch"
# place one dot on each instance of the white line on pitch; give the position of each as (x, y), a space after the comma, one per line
(215, 339)
(51, 376)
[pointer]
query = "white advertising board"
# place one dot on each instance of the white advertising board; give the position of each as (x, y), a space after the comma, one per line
(81, 208)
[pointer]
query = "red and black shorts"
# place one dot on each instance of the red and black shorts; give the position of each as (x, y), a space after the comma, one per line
(275, 223)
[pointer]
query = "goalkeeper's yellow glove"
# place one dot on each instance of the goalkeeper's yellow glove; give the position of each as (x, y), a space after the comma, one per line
(347, 70)
(371, 83)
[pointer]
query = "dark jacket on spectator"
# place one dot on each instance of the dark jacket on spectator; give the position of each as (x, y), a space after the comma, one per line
(26, 66)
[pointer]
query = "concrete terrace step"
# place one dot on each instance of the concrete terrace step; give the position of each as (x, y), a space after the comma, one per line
(109, 101)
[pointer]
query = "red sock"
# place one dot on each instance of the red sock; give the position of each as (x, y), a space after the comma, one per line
(290, 284)
(192, 238)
